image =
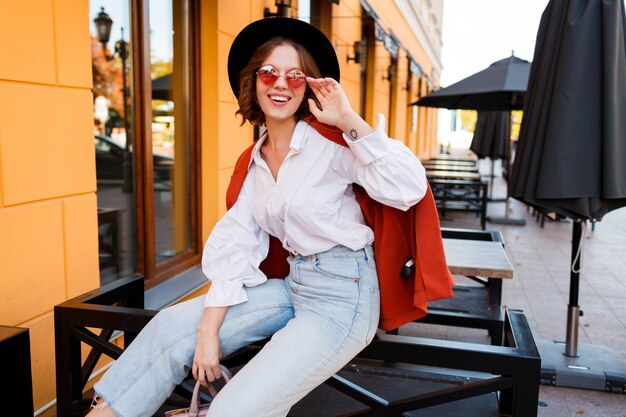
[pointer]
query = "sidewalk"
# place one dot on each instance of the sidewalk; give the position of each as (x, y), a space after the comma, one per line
(540, 257)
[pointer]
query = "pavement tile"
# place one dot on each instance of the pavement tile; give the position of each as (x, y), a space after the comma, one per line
(594, 404)
(552, 403)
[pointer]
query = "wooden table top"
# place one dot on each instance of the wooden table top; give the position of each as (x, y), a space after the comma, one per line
(450, 163)
(477, 258)
(453, 175)
(445, 157)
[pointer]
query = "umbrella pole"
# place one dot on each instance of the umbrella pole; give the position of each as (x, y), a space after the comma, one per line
(573, 309)
(493, 162)
(514, 221)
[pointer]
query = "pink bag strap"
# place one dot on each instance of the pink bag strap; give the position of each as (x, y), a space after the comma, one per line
(195, 398)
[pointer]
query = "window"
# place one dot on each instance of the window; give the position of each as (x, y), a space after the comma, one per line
(144, 136)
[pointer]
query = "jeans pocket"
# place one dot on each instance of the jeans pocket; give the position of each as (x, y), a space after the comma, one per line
(344, 269)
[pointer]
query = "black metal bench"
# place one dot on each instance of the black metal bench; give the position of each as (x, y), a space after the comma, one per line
(512, 369)
(461, 195)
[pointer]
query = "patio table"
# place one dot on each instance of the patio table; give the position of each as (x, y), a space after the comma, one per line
(452, 175)
(469, 164)
(477, 258)
(444, 157)
(436, 166)
(480, 256)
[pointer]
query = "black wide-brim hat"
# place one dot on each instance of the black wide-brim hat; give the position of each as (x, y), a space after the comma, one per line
(261, 31)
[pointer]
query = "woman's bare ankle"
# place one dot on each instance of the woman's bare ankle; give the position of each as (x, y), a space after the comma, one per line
(99, 408)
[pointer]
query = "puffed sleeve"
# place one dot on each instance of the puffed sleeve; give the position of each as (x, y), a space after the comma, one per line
(232, 255)
(388, 170)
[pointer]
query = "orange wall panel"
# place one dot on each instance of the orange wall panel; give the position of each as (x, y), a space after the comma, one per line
(42, 359)
(32, 266)
(225, 93)
(232, 16)
(224, 180)
(27, 39)
(210, 80)
(351, 5)
(80, 223)
(353, 92)
(233, 139)
(46, 137)
(1, 182)
(73, 51)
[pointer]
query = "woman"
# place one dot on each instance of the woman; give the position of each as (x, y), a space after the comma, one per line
(298, 188)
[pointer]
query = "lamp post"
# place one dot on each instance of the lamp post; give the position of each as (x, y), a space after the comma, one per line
(121, 50)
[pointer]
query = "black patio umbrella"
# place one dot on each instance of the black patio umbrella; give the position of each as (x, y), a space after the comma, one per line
(500, 86)
(491, 135)
(492, 138)
(572, 147)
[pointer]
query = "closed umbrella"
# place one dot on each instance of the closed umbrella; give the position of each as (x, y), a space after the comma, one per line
(492, 138)
(491, 135)
(572, 146)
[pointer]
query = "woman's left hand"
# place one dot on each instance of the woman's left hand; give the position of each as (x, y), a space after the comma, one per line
(332, 99)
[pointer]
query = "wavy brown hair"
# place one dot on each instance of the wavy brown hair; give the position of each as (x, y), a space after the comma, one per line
(249, 108)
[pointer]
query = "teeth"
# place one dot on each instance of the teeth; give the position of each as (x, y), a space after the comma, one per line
(279, 98)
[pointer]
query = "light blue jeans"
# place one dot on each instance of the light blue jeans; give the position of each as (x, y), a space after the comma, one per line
(323, 314)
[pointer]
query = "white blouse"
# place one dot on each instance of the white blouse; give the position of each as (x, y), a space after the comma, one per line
(310, 207)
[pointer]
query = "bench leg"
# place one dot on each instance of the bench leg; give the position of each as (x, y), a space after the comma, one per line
(520, 401)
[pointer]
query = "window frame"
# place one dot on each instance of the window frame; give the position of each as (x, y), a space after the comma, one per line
(144, 179)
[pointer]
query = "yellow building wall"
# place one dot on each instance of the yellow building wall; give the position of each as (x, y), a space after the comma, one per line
(426, 140)
(345, 31)
(48, 217)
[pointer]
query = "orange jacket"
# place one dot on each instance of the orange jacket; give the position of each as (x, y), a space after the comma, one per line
(398, 237)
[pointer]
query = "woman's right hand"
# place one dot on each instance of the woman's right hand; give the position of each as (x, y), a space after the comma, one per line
(206, 360)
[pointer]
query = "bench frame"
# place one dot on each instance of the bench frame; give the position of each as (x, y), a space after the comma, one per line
(118, 306)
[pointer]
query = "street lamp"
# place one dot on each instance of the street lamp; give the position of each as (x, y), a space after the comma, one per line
(103, 27)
